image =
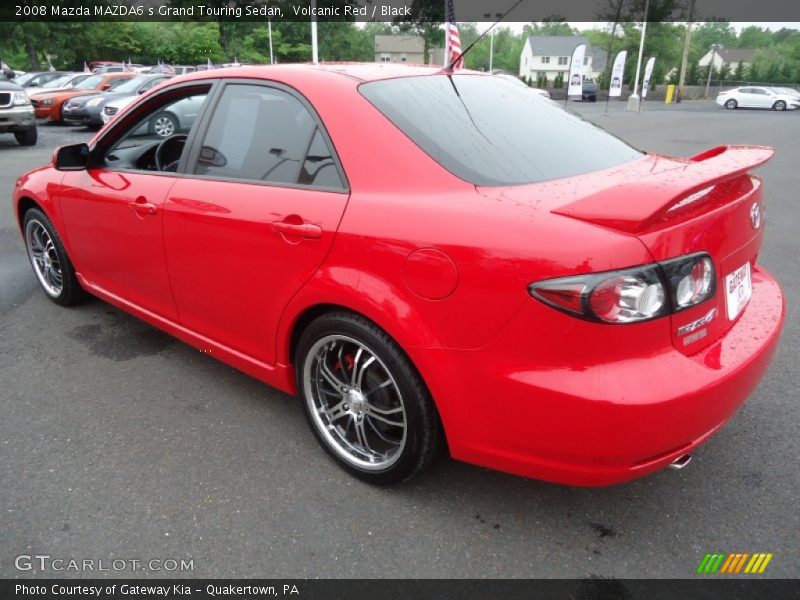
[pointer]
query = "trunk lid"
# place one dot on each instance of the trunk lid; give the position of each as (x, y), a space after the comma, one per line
(708, 203)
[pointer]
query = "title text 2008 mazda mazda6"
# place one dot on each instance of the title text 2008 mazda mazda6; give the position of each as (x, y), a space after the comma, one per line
(429, 260)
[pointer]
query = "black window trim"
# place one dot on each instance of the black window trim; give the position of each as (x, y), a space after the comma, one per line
(194, 150)
(216, 87)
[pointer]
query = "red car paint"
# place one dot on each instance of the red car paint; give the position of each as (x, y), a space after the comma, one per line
(443, 266)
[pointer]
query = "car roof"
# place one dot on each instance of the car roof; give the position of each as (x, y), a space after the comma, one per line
(359, 71)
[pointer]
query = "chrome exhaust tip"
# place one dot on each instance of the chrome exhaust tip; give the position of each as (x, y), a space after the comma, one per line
(680, 462)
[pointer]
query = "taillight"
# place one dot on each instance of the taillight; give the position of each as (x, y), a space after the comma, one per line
(691, 280)
(632, 295)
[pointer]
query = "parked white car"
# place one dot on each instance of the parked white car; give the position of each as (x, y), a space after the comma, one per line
(178, 119)
(112, 107)
(789, 91)
(757, 97)
(517, 80)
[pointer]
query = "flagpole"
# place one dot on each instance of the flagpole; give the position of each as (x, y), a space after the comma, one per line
(446, 36)
(314, 50)
(633, 100)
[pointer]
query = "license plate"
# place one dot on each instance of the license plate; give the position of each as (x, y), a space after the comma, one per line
(738, 289)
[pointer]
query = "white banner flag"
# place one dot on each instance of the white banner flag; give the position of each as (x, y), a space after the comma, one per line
(617, 74)
(648, 71)
(576, 71)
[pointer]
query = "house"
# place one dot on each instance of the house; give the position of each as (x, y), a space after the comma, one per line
(399, 48)
(549, 55)
(728, 56)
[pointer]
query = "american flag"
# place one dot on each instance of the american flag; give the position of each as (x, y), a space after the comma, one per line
(453, 41)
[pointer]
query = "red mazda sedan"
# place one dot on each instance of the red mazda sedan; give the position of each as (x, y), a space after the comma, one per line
(427, 260)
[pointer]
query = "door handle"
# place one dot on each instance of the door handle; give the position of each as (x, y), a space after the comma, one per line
(142, 207)
(307, 231)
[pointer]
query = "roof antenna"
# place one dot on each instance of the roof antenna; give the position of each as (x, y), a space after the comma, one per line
(449, 68)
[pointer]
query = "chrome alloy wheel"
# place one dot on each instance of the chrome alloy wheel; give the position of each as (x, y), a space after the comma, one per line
(355, 402)
(44, 258)
(163, 126)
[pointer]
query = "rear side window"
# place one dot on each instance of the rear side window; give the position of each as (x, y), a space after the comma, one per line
(261, 133)
(490, 131)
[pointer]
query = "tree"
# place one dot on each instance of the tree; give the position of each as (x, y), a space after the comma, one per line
(740, 73)
(693, 74)
(754, 37)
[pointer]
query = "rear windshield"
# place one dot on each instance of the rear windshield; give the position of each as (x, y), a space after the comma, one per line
(490, 131)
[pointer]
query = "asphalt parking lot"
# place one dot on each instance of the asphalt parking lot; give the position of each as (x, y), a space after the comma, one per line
(117, 441)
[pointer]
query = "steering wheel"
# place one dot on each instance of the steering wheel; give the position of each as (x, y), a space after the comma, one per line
(168, 152)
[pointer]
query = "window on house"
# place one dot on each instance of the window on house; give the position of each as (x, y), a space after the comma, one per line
(562, 60)
(404, 57)
(585, 60)
(386, 57)
(545, 60)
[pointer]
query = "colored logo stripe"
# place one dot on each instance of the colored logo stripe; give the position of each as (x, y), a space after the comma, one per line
(734, 562)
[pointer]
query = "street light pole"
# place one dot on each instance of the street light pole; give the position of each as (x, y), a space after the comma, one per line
(633, 100)
(489, 17)
(491, 50)
(271, 55)
(314, 50)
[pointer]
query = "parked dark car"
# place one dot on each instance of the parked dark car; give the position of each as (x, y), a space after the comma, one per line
(589, 92)
(16, 112)
(88, 110)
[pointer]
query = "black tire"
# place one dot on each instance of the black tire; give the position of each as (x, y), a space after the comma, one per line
(71, 292)
(731, 104)
(163, 125)
(29, 137)
(779, 105)
(422, 435)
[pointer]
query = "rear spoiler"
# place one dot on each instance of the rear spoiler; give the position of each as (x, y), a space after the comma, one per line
(636, 205)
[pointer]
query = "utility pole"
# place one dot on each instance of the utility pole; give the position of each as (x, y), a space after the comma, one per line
(687, 40)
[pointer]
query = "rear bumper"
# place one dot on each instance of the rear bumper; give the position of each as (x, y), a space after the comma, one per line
(602, 421)
(16, 119)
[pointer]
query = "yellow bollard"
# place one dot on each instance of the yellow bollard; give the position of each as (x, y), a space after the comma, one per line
(670, 94)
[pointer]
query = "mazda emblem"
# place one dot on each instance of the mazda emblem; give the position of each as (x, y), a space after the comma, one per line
(755, 215)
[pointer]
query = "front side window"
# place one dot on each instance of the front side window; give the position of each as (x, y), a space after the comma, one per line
(132, 85)
(156, 141)
(490, 131)
(115, 83)
(264, 134)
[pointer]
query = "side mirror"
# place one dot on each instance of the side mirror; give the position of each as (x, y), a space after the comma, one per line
(9, 74)
(74, 157)
(141, 91)
(105, 86)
